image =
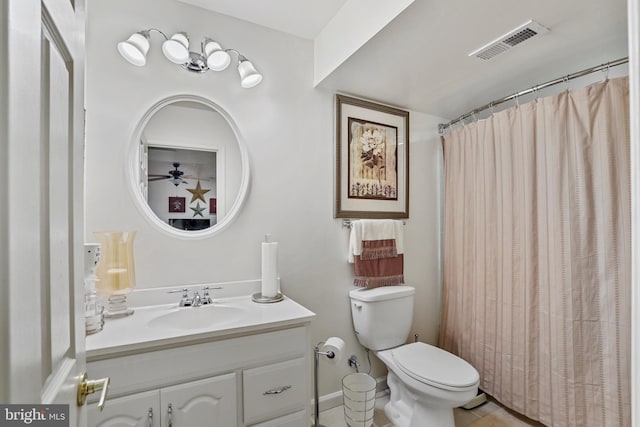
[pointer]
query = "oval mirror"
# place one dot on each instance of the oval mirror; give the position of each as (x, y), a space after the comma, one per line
(188, 167)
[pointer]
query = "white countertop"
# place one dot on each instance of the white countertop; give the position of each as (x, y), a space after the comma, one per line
(135, 333)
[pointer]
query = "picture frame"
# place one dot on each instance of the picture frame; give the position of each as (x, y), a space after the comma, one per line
(177, 204)
(372, 160)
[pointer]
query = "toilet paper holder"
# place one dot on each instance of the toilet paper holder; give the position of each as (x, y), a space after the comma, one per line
(318, 350)
(334, 356)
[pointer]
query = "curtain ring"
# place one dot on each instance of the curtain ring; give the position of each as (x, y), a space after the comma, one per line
(473, 115)
(565, 79)
(606, 71)
(491, 108)
(516, 97)
(536, 95)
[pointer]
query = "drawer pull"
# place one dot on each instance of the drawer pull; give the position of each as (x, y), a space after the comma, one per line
(277, 390)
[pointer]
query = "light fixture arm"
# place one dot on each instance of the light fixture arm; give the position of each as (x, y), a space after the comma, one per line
(147, 33)
(241, 57)
(234, 51)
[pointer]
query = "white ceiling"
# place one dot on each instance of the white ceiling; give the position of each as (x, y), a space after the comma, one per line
(419, 61)
(302, 18)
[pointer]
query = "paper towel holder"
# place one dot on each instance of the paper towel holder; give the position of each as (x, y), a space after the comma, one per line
(317, 353)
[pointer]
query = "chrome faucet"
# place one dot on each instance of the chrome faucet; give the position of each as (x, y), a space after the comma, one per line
(197, 300)
(206, 299)
(185, 301)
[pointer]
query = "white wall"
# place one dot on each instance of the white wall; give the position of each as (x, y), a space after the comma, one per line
(288, 128)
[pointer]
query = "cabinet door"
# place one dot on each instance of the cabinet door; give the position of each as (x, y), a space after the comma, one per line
(137, 410)
(206, 403)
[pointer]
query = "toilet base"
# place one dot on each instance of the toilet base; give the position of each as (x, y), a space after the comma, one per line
(404, 409)
(420, 416)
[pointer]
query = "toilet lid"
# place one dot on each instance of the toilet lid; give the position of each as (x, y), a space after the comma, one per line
(434, 366)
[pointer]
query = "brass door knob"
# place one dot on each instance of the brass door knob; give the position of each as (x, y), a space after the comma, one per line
(87, 387)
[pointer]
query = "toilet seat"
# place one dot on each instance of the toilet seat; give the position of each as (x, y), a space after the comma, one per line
(435, 367)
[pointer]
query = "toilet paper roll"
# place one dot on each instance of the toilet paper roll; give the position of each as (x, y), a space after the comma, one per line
(269, 269)
(335, 345)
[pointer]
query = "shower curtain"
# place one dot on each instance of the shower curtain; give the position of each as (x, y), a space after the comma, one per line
(536, 292)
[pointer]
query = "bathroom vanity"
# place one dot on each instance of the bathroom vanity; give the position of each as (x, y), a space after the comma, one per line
(230, 363)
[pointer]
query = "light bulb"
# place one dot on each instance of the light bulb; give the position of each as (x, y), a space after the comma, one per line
(217, 58)
(249, 76)
(135, 48)
(176, 49)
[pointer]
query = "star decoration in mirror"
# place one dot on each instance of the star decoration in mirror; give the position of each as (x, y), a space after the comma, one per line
(198, 210)
(197, 193)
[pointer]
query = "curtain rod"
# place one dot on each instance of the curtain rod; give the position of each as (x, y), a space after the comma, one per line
(442, 127)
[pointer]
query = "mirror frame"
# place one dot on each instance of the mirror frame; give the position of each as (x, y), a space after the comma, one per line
(132, 168)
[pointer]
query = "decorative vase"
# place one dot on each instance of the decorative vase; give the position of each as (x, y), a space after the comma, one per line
(116, 272)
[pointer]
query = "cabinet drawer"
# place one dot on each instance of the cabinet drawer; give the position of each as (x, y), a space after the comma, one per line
(298, 419)
(273, 390)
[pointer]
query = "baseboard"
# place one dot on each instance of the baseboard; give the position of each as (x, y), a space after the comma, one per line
(328, 401)
(332, 400)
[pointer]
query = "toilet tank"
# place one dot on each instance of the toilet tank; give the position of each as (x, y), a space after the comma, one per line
(382, 316)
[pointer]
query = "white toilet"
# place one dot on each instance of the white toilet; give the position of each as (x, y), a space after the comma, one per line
(426, 382)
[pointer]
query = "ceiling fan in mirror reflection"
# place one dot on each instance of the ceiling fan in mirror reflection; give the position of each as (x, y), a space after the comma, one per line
(175, 176)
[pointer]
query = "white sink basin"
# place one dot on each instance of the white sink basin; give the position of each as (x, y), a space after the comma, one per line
(188, 318)
(165, 324)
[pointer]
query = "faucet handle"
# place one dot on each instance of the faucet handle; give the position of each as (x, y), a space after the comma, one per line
(206, 298)
(184, 301)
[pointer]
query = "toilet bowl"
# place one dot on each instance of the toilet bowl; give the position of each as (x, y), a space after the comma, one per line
(425, 382)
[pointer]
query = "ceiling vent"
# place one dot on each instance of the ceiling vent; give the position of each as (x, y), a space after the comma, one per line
(511, 39)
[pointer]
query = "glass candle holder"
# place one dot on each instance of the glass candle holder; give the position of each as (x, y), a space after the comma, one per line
(116, 272)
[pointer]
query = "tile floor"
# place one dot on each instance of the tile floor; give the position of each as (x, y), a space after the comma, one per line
(490, 411)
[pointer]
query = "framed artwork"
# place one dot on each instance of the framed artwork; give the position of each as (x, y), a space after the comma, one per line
(213, 208)
(177, 204)
(372, 160)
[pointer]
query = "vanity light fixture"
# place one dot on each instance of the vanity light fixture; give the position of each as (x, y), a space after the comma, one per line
(212, 55)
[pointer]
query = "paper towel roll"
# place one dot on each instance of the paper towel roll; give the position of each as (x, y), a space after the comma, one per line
(269, 269)
(335, 345)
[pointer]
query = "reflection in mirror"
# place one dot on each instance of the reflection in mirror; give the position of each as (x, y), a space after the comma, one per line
(189, 168)
(182, 187)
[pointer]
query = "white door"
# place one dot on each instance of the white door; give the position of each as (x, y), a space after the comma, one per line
(41, 214)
